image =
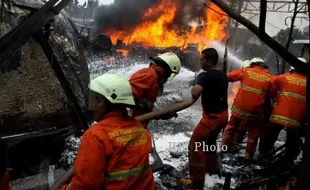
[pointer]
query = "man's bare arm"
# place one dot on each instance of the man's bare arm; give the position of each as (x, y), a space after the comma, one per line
(196, 91)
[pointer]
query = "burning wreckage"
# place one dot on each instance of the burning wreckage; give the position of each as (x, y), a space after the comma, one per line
(44, 75)
(153, 28)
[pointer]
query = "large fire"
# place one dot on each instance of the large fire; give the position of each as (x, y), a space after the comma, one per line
(162, 33)
(234, 90)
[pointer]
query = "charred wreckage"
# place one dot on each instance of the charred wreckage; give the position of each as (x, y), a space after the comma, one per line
(44, 78)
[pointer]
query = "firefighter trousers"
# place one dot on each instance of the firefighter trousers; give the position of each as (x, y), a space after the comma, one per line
(234, 132)
(293, 141)
(254, 129)
(203, 147)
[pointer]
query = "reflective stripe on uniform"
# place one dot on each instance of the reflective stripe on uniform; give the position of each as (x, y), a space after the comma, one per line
(252, 140)
(257, 91)
(125, 174)
(68, 186)
(244, 113)
(284, 120)
(301, 97)
(227, 136)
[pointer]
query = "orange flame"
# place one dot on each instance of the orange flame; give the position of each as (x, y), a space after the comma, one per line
(234, 91)
(159, 33)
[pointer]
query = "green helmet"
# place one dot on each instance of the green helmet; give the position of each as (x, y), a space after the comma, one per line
(113, 87)
(172, 60)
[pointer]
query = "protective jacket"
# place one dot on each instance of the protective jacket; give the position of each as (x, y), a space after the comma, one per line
(290, 107)
(145, 85)
(114, 154)
(256, 83)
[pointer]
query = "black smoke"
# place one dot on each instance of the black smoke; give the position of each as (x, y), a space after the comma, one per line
(125, 15)
(122, 14)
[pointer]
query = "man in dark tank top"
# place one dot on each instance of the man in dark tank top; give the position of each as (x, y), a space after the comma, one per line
(212, 86)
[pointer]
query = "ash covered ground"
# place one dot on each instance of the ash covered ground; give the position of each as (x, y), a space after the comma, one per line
(171, 136)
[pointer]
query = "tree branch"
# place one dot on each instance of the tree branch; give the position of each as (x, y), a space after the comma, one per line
(272, 43)
(289, 39)
(278, 64)
(262, 18)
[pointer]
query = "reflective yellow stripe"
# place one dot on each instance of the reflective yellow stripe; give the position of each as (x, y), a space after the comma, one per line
(301, 97)
(285, 120)
(226, 136)
(244, 113)
(257, 91)
(252, 140)
(68, 186)
(125, 174)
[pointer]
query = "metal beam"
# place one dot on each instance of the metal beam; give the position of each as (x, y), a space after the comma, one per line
(17, 37)
(274, 6)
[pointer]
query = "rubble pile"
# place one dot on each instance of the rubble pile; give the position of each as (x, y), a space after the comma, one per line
(31, 97)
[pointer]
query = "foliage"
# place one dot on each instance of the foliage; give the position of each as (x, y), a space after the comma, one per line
(283, 35)
(78, 11)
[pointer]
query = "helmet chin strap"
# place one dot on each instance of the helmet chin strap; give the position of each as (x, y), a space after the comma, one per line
(161, 83)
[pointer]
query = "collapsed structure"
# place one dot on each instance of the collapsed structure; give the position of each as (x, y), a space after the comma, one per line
(32, 98)
(44, 78)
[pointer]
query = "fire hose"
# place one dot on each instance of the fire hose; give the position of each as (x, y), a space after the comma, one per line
(66, 178)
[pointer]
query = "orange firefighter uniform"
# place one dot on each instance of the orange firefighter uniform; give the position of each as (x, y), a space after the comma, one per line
(114, 154)
(248, 106)
(146, 86)
(289, 111)
(4, 181)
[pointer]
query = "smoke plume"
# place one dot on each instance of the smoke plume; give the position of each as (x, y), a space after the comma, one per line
(125, 15)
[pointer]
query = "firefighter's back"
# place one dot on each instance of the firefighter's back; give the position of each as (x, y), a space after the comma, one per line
(127, 147)
(290, 107)
(250, 98)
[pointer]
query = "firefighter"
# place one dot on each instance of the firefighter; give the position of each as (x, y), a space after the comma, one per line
(248, 106)
(114, 153)
(240, 129)
(246, 64)
(4, 173)
(289, 112)
(148, 83)
(212, 87)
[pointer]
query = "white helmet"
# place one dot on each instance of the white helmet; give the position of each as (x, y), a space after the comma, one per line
(113, 87)
(172, 60)
(258, 61)
(246, 64)
(300, 59)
